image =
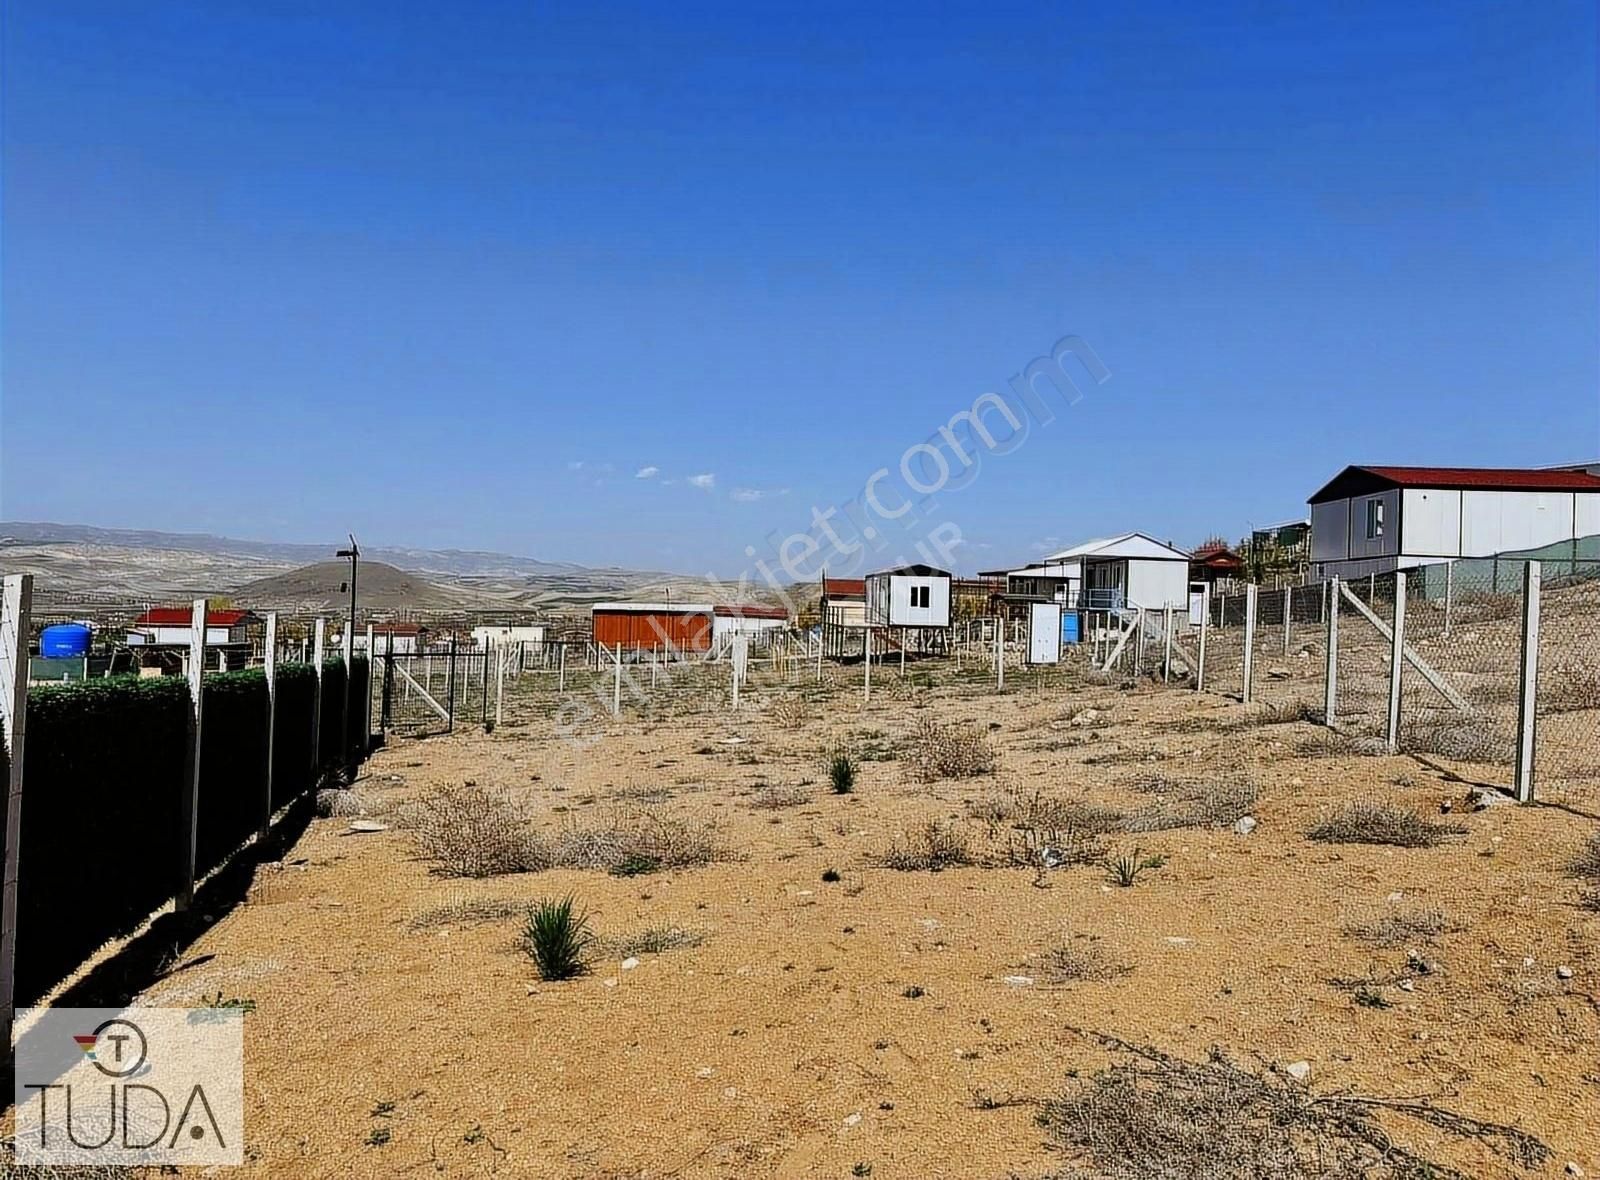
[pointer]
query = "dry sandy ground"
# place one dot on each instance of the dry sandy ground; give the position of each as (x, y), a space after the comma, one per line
(785, 1044)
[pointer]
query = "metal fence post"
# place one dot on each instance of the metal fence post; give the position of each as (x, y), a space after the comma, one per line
(1288, 617)
(1330, 680)
(616, 688)
(269, 667)
(189, 801)
(1528, 686)
(561, 670)
(1166, 642)
(866, 683)
(16, 609)
(999, 656)
(366, 712)
(1449, 593)
(1250, 594)
(1397, 660)
(1205, 626)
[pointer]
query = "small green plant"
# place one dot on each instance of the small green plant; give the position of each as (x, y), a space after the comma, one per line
(379, 1136)
(841, 774)
(831, 876)
(383, 1110)
(237, 1003)
(1370, 997)
(636, 864)
(558, 938)
(914, 992)
(1124, 868)
(862, 1168)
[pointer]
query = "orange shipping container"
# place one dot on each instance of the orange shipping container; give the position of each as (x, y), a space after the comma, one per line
(639, 626)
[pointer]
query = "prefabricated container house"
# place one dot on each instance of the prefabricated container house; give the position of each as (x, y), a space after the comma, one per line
(1370, 520)
(1113, 573)
(910, 596)
(641, 626)
(747, 619)
(530, 634)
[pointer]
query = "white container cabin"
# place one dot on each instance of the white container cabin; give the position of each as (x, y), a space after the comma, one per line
(910, 596)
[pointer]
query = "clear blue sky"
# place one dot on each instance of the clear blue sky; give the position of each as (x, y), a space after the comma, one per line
(283, 270)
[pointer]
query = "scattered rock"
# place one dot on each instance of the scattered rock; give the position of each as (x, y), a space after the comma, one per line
(1397, 896)
(1563, 972)
(1086, 717)
(368, 825)
(851, 1120)
(1019, 980)
(1407, 985)
(1483, 798)
(629, 963)
(1278, 673)
(1298, 1070)
(1574, 1170)
(1245, 825)
(705, 1071)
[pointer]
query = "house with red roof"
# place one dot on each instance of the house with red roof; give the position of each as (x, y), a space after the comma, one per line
(1373, 519)
(171, 626)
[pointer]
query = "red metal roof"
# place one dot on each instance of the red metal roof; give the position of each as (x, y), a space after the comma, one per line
(844, 587)
(1356, 480)
(182, 616)
(397, 628)
(748, 611)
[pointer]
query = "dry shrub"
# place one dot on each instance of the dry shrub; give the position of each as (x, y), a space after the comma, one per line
(790, 711)
(1404, 928)
(1586, 864)
(1053, 848)
(339, 802)
(1569, 689)
(1285, 713)
(628, 843)
(1082, 960)
(771, 798)
(939, 749)
(931, 848)
(1156, 1116)
(1371, 822)
(1036, 809)
(1469, 738)
(1194, 803)
(469, 831)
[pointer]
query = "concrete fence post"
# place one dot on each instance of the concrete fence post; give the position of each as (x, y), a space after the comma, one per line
(366, 712)
(16, 611)
(1528, 683)
(561, 669)
(319, 639)
(1330, 679)
(1250, 594)
(866, 683)
(269, 668)
(1397, 661)
(1166, 655)
(1449, 593)
(1288, 617)
(999, 657)
(616, 685)
(1205, 626)
(189, 801)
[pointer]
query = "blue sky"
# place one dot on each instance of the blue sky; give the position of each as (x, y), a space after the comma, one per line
(455, 275)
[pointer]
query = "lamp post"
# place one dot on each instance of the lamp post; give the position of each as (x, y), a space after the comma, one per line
(354, 554)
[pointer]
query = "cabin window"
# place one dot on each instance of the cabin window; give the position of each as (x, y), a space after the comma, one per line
(919, 597)
(1374, 519)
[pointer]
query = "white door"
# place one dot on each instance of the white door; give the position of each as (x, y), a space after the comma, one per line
(1197, 603)
(1044, 633)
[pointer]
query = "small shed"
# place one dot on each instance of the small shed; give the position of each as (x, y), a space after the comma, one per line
(531, 634)
(843, 609)
(641, 626)
(910, 596)
(170, 626)
(1110, 573)
(406, 638)
(1215, 562)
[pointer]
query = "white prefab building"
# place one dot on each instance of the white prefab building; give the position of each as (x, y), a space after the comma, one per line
(911, 596)
(746, 619)
(530, 634)
(1113, 573)
(1370, 520)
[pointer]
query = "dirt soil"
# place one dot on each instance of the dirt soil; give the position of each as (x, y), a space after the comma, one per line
(890, 1023)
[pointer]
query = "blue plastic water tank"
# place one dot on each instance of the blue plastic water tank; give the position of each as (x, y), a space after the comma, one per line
(1069, 626)
(64, 641)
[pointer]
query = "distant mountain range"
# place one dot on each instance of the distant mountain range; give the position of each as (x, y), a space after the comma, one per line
(83, 564)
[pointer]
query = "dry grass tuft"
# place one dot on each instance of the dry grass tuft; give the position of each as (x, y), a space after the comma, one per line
(931, 848)
(790, 711)
(472, 911)
(1039, 810)
(1403, 928)
(1193, 803)
(339, 802)
(654, 940)
(1371, 822)
(1152, 1115)
(938, 750)
(1082, 960)
(469, 831)
(1569, 688)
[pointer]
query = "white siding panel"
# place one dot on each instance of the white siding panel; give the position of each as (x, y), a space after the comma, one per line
(1494, 522)
(1430, 519)
(1588, 514)
(1330, 530)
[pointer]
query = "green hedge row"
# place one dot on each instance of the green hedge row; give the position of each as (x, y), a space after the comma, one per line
(101, 844)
